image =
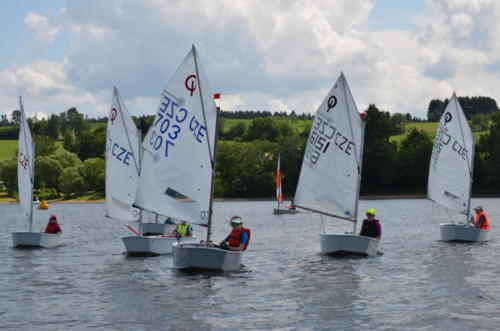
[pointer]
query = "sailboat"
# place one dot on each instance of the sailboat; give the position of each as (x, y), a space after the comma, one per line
(330, 176)
(279, 194)
(179, 164)
(123, 169)
(450, 172)
(26, 179)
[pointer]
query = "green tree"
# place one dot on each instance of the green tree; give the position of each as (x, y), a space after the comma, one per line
(44, 146)
(262, 129)
(92, 143)
(236, 131)
(15, 117)
(93, 171)
(480, 122)
(47, 172)
(489, 151)
(66, 159)
(413, 161)
(76, 121)
(69, 142)
(8, 175)
(39, 127)
(53, 126)
(71, 181)
(379, 154)
(398, 122)
(246, 169)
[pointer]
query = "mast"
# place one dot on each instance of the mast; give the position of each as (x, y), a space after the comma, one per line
(278, 178)
(358, 161)
(471, 179)
(470, 163)
(358, 188)
(32, 179)
(212, 157)
(139, 172)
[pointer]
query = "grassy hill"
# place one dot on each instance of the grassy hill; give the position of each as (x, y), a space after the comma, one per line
(8, 149)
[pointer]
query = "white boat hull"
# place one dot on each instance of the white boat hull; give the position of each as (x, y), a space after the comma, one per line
(151, 245)
(341, 244)
(285, 211)
(199, 257)
(152, 229)
(36, 239)
(462, 232)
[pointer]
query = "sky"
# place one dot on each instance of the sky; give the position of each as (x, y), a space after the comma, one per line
(276, 55)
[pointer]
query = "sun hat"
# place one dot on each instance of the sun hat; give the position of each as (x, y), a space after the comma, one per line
(370, 212)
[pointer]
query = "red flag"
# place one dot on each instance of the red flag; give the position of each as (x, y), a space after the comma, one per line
(216, 95)
(279, 195)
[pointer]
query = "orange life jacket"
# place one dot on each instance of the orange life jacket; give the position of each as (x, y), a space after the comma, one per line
(486, 224)
(235, 237)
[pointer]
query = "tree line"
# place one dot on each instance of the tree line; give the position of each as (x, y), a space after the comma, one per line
(247, 156)
(471, 106)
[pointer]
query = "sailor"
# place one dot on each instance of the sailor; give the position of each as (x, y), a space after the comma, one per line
(182, 230)
(371, 226)
(239, 237)
(53, 227)
(481, 221)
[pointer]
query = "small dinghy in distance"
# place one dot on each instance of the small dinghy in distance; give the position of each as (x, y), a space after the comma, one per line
(123, 169)
(279, 196)
(451, 170)
(179, 155)
(331, 170)
(25, 181)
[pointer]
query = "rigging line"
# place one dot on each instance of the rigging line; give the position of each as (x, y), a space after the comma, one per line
(137, 169)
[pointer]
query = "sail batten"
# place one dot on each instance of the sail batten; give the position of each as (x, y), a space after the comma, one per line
(450, 169)
(329, 177)
(179, 148)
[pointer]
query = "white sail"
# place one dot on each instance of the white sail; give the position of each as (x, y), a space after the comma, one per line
(122, 162)
(331, 167)
(25, 168)
(451, 164)
(176, 167)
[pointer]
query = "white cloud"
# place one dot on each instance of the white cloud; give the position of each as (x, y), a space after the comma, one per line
(44, 31)
(262, 54)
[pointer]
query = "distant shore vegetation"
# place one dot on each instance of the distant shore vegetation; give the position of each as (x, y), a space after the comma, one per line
(70, 151)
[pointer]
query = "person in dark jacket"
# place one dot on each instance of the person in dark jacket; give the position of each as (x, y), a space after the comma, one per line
(371, 226)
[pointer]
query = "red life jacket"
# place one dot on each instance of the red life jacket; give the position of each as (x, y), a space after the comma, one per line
(52, 228)
(235, 238)
(486, 224)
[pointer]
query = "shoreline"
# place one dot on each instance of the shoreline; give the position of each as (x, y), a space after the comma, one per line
(6, 201)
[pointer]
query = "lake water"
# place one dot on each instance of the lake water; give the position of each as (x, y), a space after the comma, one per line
(417, 281)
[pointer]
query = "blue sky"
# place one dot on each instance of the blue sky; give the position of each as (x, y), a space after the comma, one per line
(262, 54)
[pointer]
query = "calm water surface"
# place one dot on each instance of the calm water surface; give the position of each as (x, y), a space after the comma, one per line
(417, 281)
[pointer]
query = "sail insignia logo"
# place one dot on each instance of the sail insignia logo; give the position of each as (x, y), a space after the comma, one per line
(190, 84)
(447, 117)
(332, 102)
